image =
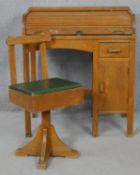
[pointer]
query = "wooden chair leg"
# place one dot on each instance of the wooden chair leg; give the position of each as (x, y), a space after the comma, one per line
(124, 115)
(46, 143)
(28, 132)
(130, 124)
(95, 124)
(34, 115)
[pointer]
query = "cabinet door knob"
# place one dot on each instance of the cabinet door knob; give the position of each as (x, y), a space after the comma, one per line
(102, 87)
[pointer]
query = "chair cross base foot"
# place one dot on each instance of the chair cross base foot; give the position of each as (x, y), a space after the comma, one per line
(42, 164)
(46, 143)
(130, 135)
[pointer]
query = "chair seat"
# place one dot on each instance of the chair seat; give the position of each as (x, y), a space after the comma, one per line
(44, 86)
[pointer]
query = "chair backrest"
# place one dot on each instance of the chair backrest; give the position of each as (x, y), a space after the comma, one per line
(30, 45)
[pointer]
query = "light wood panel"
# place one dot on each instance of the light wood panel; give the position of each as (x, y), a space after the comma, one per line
(113, 85)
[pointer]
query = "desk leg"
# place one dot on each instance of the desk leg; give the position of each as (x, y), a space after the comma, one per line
(95, 92)
(130, 120)
(46, 143)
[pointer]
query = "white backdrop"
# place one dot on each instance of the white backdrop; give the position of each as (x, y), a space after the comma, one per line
(78, 66)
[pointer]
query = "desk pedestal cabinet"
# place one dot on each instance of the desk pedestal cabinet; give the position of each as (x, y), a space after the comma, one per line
(109, 33)
(114, 80)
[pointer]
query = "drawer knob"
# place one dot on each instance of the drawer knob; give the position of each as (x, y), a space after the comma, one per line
(114, 50)
(78, 32)
(54, 31)
(119, 32)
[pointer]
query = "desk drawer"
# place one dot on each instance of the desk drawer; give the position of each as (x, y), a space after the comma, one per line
(114, 50)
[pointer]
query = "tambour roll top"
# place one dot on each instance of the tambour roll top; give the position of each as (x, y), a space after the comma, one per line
(80, 21)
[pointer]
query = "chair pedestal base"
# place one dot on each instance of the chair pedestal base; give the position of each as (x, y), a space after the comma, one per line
(46, 143)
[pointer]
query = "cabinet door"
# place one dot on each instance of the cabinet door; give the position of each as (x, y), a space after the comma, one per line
(113, 86)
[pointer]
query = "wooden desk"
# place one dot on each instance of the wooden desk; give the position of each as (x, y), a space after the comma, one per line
(109, 33)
